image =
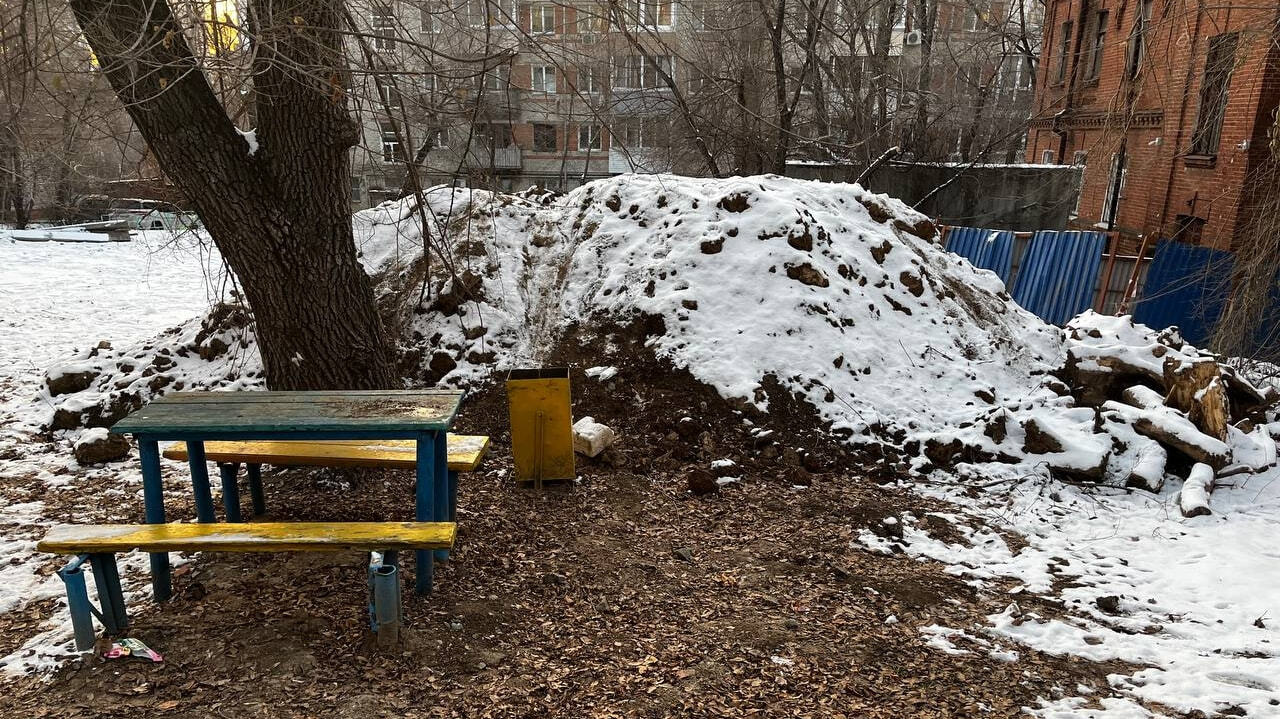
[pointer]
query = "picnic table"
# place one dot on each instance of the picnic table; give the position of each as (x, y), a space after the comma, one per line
(424, 416)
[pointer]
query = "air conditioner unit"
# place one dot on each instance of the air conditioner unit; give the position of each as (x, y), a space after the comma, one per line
(911, 38)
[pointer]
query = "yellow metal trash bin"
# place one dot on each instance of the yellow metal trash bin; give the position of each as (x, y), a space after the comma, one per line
(541, 425)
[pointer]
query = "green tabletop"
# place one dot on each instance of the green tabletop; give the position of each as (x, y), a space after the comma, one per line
(213, 414)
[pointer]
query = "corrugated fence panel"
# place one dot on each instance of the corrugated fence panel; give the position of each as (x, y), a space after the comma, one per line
(1186, 286)
(988, 249)
(1057, 276)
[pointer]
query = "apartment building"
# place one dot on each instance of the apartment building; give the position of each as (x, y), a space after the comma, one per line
(512, 94)
(1167, 105)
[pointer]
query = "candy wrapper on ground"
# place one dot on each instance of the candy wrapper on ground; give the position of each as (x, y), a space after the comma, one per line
(132, 648)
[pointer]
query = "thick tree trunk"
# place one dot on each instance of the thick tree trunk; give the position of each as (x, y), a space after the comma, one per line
(281, 215)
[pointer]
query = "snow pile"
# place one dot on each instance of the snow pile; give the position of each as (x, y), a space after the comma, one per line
(843, 297)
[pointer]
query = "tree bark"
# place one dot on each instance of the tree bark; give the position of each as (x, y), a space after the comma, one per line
(279, 216)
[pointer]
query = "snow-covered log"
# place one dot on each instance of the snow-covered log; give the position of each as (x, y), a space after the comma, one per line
(1193, 500)
(1172, 429)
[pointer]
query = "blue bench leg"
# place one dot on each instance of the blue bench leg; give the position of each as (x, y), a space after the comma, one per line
(200, 482)
(384, 612)
(441, 481)
(453, 496)
(110, 595)
(78, 602)
(153, 497)
(230, 491)
(255, 489)
(425, 511)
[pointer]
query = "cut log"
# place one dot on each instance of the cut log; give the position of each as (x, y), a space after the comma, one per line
(1171, 428)
(1148, 470)
(1193, 500)
(1196, 388)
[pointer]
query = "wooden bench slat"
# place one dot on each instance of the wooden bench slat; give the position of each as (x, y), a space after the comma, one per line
(465, 452)
(250, 537)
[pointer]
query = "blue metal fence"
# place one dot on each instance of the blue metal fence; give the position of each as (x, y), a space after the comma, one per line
(1187, 286)
(988, 249)
(1057, 277)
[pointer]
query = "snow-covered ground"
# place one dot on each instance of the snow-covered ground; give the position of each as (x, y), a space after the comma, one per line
(1196, 600)
(60, 299)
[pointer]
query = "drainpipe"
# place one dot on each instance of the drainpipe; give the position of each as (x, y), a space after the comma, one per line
(1113, 206)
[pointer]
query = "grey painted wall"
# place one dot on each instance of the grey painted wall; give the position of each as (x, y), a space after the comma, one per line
(1001, 197)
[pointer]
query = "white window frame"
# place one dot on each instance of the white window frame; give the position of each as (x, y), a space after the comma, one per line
(643, 10)
(497, 78)
(1046, 157)
(593, 134)
(542, 19)
(429, 18)
(389, 94)
(542, 78)
(588, 82)
(392, 149)
(383, 26)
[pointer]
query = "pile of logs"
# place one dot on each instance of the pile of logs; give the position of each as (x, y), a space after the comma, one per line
(1207, 421)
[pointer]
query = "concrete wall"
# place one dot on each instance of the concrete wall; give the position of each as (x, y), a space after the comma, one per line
(1000, 197)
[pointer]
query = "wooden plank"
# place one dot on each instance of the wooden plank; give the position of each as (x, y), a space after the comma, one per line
(214, 413)
(465, 453)
(251, 537)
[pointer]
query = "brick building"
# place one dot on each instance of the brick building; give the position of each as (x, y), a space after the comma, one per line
(1168, 105)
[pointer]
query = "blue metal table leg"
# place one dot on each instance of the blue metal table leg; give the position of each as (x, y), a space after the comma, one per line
(440, 481)
(200, 482)
(153, 497)
(255, 489)
(424, 491)
(453, 496)
(78, 602)
(230, 490)
(110, 596)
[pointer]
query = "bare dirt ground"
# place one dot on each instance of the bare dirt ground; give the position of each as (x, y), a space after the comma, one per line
(574, 601)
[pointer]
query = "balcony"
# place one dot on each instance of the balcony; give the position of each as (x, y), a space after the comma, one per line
(484, 157)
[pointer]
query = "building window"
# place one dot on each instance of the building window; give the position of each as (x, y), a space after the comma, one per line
(589, 137)
(1015, 73)
(1093, 54)
(973, 17)
(544, 78)
(542, 19)
(392, 150)
(589, 81)
(1213, 94)
(1046, 157)
(628, 71)
(697, 80)
(1138, 39)
(388, 93)
(656, 69)
(384, 27)
(698, 15)
(430, 18)
(656, 13)
(1064, 51)
(544, 138)
(497, 136)
(357, 190)
(497, 78)
(1115, 174)
(591, 18)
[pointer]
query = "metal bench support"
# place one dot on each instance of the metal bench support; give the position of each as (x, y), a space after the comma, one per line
(230, 490)
(424, 491)
(112, 611)
(384, 598)
(255, 489)
(200, 482)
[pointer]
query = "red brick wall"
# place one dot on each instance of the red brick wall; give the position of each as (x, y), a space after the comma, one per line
(1162, 183)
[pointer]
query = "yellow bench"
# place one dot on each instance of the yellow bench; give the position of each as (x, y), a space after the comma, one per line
(465, 452)
(98, 544)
